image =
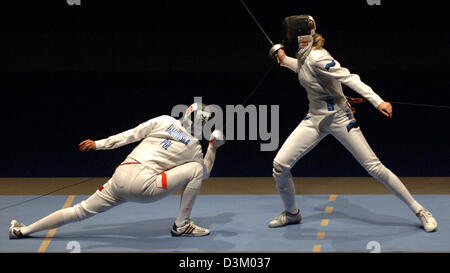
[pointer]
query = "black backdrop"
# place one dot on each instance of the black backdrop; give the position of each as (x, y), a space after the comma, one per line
(68, 73)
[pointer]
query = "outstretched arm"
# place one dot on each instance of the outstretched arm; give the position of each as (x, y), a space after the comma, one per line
(327, 67)
(121, 139)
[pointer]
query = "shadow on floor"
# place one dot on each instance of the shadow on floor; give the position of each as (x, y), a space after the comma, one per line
(150, 235)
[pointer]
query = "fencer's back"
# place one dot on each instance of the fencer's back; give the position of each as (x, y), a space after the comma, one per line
(167, 145)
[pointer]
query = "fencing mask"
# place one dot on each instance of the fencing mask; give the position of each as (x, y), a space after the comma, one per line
(195, 118)
(298, 32)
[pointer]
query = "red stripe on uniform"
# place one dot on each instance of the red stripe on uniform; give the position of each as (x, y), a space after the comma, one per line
(164, 180)
(101, 188)
(127, 163)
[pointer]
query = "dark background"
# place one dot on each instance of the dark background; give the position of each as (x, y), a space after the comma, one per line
(69, 73)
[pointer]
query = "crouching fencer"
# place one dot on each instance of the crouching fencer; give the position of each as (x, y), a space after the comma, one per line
(329, 113)
(168, 157)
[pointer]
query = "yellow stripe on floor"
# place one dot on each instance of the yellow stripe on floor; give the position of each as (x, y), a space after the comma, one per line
(51, 233)
(316, 248)
(328, 210)
(320, 235)
(324, 222)
(333, 197)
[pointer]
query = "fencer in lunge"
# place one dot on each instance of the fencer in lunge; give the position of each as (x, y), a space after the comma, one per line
(329, 113)
(168, 157)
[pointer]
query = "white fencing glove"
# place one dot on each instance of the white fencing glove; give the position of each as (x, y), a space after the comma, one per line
(217, 139)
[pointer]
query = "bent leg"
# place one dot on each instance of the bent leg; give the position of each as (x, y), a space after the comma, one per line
(189, 176)
(187, 200)
(302, 140)
(169, 181)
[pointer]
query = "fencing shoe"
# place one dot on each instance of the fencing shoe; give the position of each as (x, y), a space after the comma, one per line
(14, 230)
(189, 229)
(286, 218)
(428, 221)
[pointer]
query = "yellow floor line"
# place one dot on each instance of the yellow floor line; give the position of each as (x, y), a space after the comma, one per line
(328, 210)
(51, 233)
(324, 222)
(332, 197)
(320, 235)
(316, 248)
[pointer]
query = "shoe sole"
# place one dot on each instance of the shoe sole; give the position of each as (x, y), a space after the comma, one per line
(288, 224)
(432, 230)
(186, 235)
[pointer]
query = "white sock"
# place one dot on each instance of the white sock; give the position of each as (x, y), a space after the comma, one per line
(187, 202)
(54, 220)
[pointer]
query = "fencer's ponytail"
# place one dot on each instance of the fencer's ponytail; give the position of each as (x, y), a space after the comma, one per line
(319, 41)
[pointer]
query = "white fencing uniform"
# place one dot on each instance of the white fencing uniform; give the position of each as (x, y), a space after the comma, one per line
(329, 113)
(167, 158)
(165, 144)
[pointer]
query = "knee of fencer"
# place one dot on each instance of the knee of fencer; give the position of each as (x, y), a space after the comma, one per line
(199, 171)
(198, 176)
(195, 184)
(279, 170)
(375, 168)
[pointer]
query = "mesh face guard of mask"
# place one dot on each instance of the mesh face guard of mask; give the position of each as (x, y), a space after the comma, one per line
(295, 26)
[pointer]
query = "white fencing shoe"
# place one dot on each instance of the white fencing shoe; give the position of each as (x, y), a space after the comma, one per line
(14, 230)
(428, 221)
(189, 229)
(286, 218)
